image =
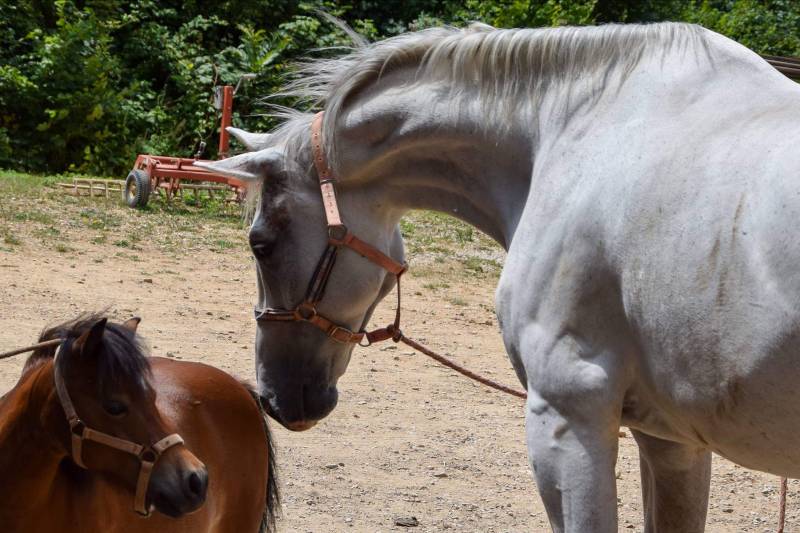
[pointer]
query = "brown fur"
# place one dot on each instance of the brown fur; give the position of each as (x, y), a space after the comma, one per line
(223, 427)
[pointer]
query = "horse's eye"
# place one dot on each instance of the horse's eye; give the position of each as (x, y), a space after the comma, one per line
(262, 250)
(115, 408)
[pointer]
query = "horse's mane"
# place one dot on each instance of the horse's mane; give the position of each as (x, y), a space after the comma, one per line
(123, 360)
(509, 68)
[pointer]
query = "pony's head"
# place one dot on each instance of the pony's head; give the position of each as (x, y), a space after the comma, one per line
(107, 379)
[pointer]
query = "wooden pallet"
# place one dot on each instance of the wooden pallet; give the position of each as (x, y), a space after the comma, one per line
(88, 187)
(104, 187)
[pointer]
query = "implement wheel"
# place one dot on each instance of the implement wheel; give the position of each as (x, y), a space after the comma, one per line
(137, 189)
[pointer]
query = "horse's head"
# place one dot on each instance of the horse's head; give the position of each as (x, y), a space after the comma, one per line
(298, 365)
(105, 378)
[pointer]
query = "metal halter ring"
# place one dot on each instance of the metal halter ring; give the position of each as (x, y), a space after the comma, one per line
(305, 312)
(337, 233)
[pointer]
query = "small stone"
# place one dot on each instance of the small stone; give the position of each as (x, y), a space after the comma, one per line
(406, 521)
(332, 466)
(147, 280)
(440, 474)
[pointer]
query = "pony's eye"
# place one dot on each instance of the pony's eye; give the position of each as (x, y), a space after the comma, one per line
(115, 408)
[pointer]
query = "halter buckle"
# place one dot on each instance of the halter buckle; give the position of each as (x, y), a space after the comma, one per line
(336, 329)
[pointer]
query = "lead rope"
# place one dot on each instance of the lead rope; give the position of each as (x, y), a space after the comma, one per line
(43, 344)
(782, 507)
(393, 331)
(460, 369)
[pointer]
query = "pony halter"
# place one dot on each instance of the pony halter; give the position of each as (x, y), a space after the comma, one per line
(80, 432)
(338, 236)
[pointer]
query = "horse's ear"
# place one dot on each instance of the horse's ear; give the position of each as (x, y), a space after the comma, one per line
(251, 141)
(90, 342)
(131, 324)
(248, 166)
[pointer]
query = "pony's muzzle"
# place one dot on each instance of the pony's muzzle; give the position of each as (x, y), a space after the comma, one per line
(179, 491)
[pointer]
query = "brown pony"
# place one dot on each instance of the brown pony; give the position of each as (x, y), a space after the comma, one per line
(89, 470)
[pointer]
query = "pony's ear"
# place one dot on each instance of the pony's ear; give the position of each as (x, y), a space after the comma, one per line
(251, 141)
(248, 166)
(131, 324)
(90, 342)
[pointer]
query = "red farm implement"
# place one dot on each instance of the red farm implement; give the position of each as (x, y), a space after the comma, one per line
(168, 175)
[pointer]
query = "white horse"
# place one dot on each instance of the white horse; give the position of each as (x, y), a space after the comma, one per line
(645, 181)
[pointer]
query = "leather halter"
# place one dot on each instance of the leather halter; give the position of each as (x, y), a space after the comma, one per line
(338, 236)
(79, 432)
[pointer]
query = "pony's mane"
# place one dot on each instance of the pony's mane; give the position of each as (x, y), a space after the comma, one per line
(123, 359)
(509, 68)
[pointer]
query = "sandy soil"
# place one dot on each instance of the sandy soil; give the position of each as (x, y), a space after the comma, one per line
(409, 437)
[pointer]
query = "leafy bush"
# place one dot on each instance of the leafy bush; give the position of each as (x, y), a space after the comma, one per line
(85, 85)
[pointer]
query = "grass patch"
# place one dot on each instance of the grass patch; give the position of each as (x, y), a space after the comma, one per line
(62, 248)
(47, 233)
(21, 184)
(33, 216)
(436, 285)
(222, 244)
(455, 300)
(10, 238)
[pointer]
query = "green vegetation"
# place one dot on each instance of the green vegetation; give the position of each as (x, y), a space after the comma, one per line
(443, 250)
(30, 206)
(87, 84)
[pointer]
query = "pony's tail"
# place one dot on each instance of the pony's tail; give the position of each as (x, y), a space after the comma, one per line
(273, 502)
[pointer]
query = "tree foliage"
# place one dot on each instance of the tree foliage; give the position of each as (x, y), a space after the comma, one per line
(85, 85)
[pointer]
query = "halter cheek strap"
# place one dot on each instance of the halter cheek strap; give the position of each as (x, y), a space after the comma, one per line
(339, 236)
(80, 432)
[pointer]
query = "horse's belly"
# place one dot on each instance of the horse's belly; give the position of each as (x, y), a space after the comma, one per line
(750, 415)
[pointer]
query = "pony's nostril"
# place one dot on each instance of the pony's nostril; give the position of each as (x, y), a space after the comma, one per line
(197, 483)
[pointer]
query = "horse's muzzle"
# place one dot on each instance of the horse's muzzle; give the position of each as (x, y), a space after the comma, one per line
(299, 408)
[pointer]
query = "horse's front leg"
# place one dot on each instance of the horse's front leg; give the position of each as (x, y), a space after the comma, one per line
(572, 423)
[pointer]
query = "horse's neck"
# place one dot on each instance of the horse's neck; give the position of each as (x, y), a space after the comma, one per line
(29, 453)
(410, 148)
(447, 164)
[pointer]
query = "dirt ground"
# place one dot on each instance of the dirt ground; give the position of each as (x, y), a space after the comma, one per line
(409, 438)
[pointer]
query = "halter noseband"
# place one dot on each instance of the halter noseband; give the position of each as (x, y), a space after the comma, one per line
(80, 432)
(338, 236)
